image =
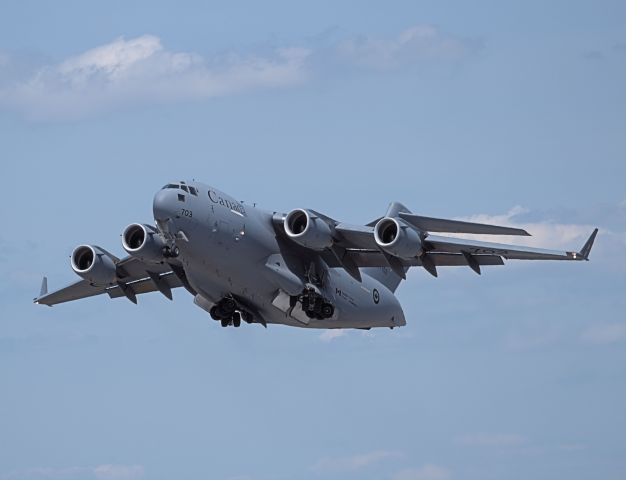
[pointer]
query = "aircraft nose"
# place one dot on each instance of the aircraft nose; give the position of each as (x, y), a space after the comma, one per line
(162, 204)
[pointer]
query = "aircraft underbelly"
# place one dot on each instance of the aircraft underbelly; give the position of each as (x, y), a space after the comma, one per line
(219, 260)
(357, 305)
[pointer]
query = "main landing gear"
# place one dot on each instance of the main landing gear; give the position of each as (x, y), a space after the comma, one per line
(229, 313)
(313, 304)
(171, 252)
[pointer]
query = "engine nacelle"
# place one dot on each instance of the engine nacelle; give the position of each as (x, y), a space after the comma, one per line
(93, 264)
(397, 238)
(308, 229)
(143, 242)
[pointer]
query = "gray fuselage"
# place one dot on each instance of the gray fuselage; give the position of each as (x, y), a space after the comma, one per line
(228, 248)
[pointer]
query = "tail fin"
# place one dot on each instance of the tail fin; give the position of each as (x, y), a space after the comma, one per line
(385, 275)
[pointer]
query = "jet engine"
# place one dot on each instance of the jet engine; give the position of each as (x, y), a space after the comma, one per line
(94, 264)
(307, 229)
(143, 242)
(397, 238)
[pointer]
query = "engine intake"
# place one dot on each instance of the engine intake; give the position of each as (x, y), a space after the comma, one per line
(397, 239)
(308, 229)
(143, 242)
(93, 264)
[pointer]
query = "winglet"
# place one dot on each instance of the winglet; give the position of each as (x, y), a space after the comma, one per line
(584, 252)
(44, 287)
(43, 291)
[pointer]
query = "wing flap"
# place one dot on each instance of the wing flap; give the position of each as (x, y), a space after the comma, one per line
(145, 285)
(377, 259)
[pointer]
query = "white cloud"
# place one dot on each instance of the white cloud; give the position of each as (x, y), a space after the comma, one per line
(141, 70)
(332, 334)
(100, 472)
(605, 333)
(118, 472)
(419, 42)
(427, 472)
(491, 440)
(354, 462)
(549, 234)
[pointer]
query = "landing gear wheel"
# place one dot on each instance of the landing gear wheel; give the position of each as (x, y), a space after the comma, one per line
(214, 313)
(228, 306)
(236, 319)
(175, 252)
(225, 322)
(327, 310)
(246, 317)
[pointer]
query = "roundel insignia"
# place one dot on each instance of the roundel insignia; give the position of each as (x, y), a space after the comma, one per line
(376, 296)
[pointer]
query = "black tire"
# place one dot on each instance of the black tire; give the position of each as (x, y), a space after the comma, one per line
(215, 313)
(236, 319)
(225, 322)
(317, 307)
(327, 310)
(228, 305)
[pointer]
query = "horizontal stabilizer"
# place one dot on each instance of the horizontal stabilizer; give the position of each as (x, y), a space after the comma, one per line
(442, 225)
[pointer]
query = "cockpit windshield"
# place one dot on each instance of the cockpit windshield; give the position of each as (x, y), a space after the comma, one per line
(186, 188)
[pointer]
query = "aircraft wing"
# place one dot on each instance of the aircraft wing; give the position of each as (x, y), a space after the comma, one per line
(133, 278)
(435, 243)
(355, 246)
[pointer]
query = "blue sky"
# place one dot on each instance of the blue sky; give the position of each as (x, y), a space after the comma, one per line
(510, 112)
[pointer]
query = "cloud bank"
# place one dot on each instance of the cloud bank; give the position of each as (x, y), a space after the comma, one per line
(605, 333)
(142, 70)
(427, 472)
(354, 462)
(100, 472)
(491, 440)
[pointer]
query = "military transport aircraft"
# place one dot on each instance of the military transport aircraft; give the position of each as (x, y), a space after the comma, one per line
(302, 268)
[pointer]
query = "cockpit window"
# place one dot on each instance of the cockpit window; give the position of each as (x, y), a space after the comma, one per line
(188, 189)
